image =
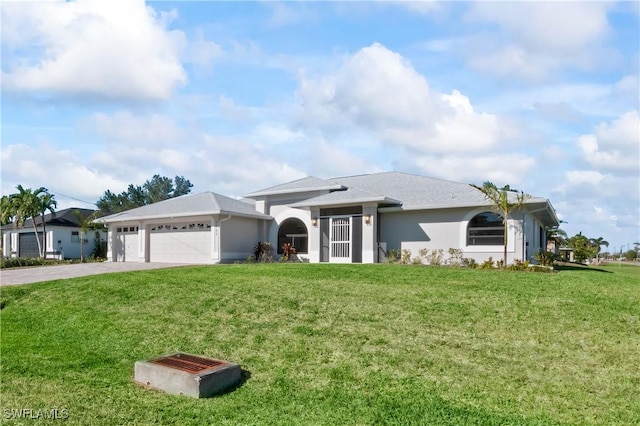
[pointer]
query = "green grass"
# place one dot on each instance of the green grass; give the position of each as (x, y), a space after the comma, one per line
(332, 344)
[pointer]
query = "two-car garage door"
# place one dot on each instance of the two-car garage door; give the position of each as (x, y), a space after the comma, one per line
(182, 243)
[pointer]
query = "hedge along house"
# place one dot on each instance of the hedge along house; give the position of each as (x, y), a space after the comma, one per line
(65, 239)
(355, 219)
(196, 228)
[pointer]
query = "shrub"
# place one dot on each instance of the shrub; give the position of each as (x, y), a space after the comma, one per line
(519, 265)
(469, 262)
(435, 257)
(263, 252)
(455, 256)
(406, 256)
(545, 258)
(20, 262)
(487, 264)
(393, 255)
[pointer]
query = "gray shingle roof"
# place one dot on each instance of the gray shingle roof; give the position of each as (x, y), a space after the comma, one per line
(310, 183)
(402, 191)
(205, 203)
(64, 218)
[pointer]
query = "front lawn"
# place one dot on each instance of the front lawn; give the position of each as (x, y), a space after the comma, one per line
(332, 344)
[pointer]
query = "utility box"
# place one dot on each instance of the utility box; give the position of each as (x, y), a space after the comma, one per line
(186, 374)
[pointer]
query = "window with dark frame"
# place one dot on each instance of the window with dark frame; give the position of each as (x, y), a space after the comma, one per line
(485, 229)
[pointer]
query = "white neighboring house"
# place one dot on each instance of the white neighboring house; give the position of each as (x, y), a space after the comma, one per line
(63, 236)
(355, 219)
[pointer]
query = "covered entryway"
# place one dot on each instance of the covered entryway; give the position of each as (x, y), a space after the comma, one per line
(180, 242)
(28, 245)
(293, 231)
(126, 244)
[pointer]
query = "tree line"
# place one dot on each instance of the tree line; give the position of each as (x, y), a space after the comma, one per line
(28, 203)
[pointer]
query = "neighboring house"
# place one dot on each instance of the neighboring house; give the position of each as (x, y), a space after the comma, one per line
(355, 219)
(63, 236)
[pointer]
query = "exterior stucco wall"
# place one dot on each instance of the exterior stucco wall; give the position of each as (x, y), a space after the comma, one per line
(444, 229)
(238, 237)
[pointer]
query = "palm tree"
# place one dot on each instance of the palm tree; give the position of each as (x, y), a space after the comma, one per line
(46, 202)
(85, 224)
(27, 205)
(597, 242)
(557, 235)
(503, 204)
(7, 210)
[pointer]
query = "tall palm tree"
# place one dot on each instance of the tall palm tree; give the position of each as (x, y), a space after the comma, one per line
(597, 243)
(46, 202)
(503, 204)
(27, 205)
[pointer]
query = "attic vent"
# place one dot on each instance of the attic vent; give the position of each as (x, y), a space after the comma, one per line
(185, 374)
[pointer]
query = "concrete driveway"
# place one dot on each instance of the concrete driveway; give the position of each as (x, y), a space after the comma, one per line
(57, 272)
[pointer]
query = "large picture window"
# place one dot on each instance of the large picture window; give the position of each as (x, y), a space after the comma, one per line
(294, 232)
(485, 229)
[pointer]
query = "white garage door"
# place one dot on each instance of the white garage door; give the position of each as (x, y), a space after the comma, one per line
(127, 244)
(182, 243)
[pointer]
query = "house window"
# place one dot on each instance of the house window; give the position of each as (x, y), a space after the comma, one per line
(75, 237)
(485, 229)
(294, 232)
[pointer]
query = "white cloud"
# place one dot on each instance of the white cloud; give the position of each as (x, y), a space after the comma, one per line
(537, 38)
(64, 173)
(502, 169)
(590, 177)
(378, 90)
(92, 48)
(614, 146)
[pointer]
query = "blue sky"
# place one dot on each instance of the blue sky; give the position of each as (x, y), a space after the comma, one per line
(238, 96)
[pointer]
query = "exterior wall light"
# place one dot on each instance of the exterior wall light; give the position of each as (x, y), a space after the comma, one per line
(314, 221)
(367, 219)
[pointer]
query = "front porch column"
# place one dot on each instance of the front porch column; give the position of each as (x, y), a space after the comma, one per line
(314, 235)
(369, 233)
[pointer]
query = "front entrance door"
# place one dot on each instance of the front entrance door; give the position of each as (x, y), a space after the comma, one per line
(340, 240)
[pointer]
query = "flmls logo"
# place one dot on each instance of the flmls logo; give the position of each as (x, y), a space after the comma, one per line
(36, 414)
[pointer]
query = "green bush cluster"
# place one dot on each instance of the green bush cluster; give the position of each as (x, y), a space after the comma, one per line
(21, 262)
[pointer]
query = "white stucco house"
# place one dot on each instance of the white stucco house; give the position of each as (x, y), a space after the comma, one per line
(63, 236)
(354, 219)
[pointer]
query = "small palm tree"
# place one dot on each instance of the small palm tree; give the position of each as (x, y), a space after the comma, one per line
(85, 224)
(557, 236)
(503, 204)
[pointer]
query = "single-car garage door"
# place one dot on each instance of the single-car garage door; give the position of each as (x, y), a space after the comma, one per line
(180, 242)
(28, 245)
(127, 244)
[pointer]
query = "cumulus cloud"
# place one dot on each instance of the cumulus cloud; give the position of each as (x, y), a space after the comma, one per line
(537, 38)
(501, 169)
(91, 48)
(615, 145)
(22, 164)
(378, 90)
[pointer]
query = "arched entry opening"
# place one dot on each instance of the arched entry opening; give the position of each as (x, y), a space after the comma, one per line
(294, 232)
